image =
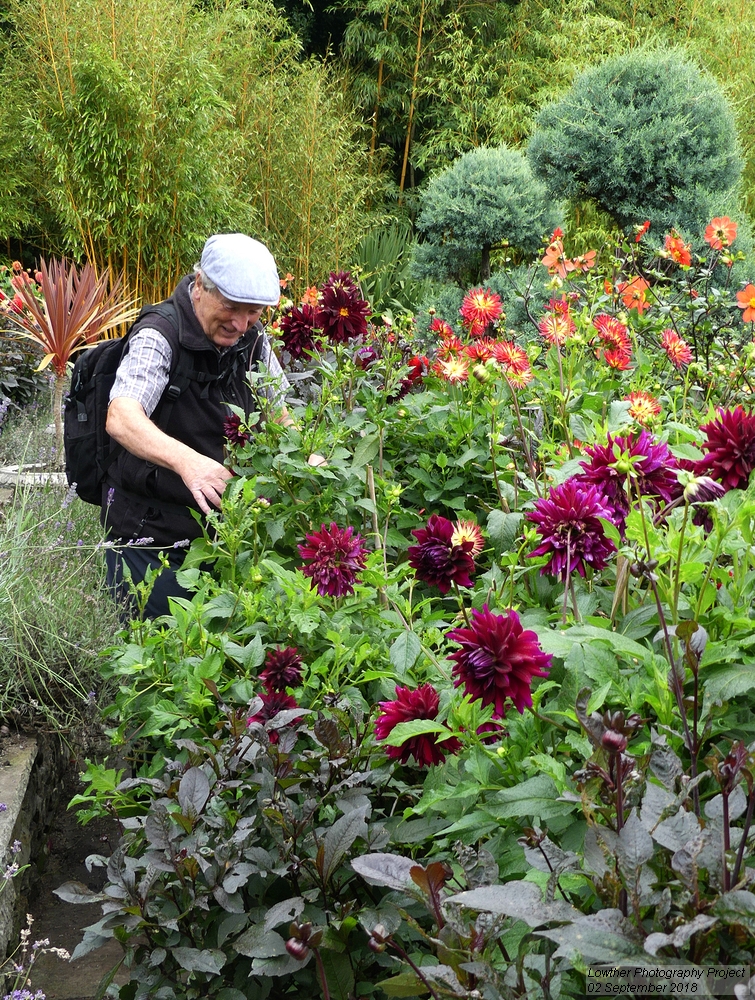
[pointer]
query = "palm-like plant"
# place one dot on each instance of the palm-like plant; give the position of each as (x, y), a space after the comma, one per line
(75, 310)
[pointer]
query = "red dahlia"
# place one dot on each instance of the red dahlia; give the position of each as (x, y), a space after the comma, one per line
(232, 430)
(498, 660)
(341, 312)
(272, 704)
(729, 448)
(568, 522)
(438, 559)
(334, 558)
(421, 703)
(480, 308)
(296, 326)
(282, 669)
(677, 350)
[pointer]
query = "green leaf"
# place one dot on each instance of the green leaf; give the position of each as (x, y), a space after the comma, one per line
(340, 837)
(417, 727)
(193, 960)
(728, 683)
(366, 450)
(338, 973)
(737, 907)
(405, 984)
(519, 900)
(257, 942)
(535, 797)
(504, 529)
(404, 652)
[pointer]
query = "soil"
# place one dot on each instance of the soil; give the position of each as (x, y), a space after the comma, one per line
(68, 846)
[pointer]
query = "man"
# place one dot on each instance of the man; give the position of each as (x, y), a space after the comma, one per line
(180, 373)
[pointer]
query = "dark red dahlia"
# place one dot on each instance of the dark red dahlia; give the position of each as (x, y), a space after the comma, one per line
(341, 312)
(365, 356)
(568, 522)
(437, 560)
(647, 464)
(296, 326)
(729, 448)
(409, 705)
(272, 703)
(498, 660)
(232, 430)
(335, 558)
(282, 669)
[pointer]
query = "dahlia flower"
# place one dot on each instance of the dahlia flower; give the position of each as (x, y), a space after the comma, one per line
(746, 302)
(449, 347)
(283, 669)
(466, 533)
(452, 369)
(677, 350)
(341, 312)
(296, 326)
(729, 448)
(615, 345)
(556, 260)
(498, 660)
(643, 407)
(479, 309)
(437, 559)
(442, 328)
(480, 350)
(513, 361)
(721, 232)
(335, 558)
(650, 464)
(677, 249)
(585, 261)
(568, 522)
(232, 430)
(641, 230)
(634, 294)
(557, 326)
(422, 703)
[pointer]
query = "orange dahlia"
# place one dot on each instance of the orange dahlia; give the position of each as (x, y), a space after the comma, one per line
(677, 249)
(480, 308)
(746, 302)
(721, 232)
(677, 350)
(514, 362)
(643, 407)
(452, 369)
(634, 294)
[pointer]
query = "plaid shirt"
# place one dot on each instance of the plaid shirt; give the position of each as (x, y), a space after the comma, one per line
(144, 373)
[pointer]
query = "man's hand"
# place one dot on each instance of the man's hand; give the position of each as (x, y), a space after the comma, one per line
(205, 478)
(129, 425)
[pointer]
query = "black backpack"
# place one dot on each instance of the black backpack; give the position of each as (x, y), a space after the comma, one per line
(89, 449)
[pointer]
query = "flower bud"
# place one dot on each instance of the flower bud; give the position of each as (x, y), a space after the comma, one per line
(297, 949)
(613, 742)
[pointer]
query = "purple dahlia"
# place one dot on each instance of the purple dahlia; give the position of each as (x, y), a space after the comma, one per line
(649, 464)
(296, 326)
(232, 430)
(498, 660)
(334, 559)
(422, 703)
(438, 559)
(568, 522)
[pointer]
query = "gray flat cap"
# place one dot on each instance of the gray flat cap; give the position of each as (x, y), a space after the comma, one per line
(242, 268)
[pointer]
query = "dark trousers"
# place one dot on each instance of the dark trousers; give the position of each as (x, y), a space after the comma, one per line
(139, 560)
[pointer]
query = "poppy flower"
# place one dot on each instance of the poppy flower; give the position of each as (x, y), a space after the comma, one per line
(341, 312)
(334, 559)
(439, 559)
(721, 232)
(568, 522)
(498, 660)
(422, 703)
(634, 294)
(746, 302)
(677, 350)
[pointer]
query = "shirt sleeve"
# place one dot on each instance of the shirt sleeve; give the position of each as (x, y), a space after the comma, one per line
(144, 372)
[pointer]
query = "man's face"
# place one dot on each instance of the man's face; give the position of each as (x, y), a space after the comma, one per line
(224, 322)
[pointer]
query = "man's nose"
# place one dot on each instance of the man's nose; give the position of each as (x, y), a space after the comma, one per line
(240, 322)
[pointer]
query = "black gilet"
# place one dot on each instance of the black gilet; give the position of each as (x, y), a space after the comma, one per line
(149, 501)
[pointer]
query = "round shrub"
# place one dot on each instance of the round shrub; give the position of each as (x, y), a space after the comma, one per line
(485, 197)
(645, 135)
